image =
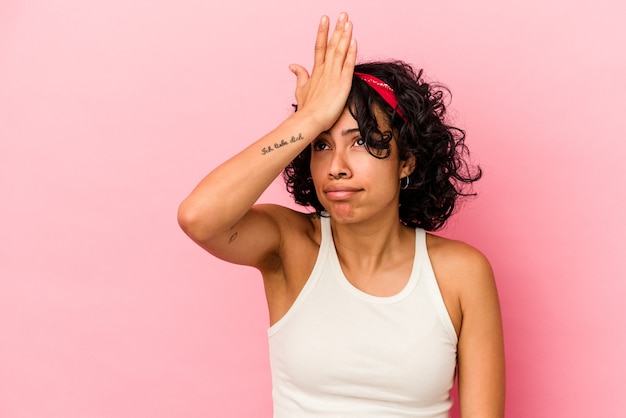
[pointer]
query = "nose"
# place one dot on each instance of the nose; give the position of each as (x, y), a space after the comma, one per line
(339, 167)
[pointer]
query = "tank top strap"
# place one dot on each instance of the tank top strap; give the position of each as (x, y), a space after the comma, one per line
(327, 233)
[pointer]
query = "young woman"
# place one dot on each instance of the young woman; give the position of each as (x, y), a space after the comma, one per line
(370, 315)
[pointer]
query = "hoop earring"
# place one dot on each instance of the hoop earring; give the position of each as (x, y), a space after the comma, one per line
(405, 186)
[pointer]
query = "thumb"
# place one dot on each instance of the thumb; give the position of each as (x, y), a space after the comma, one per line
(302, 75)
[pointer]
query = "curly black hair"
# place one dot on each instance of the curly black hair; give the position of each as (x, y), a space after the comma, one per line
(442, 173)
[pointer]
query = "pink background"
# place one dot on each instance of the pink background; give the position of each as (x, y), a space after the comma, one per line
(111, 111)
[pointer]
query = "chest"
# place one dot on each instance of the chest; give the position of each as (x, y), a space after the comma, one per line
(340, 341)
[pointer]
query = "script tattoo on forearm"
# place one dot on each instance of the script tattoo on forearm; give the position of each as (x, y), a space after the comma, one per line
(282, 143)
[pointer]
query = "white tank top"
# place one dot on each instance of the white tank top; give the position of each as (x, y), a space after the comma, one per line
(340, 352)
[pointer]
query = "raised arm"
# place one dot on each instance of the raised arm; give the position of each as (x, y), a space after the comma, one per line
(219, 213)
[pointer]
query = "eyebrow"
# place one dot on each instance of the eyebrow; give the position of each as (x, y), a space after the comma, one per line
(344, 132)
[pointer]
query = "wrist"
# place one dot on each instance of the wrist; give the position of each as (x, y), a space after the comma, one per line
(307, 123)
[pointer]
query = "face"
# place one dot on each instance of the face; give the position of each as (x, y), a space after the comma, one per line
(352, 185)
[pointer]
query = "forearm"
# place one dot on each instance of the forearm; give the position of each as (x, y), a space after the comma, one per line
(226, 194)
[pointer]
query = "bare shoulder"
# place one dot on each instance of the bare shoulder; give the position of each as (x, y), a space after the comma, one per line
(284, 214)
(457, 261)
(464, 276)
(299, 232)
(292, 224)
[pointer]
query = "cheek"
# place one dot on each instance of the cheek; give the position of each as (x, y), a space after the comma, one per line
(385, 169)
(388, 179)
(317, 165)
(313, 164)
(315, 169)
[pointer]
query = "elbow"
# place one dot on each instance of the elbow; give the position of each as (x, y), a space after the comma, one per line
(190, 220)
(185, 217)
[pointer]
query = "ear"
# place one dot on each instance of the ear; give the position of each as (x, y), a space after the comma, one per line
(407, 166)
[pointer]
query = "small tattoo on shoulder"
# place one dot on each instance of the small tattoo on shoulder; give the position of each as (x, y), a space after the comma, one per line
(232, 238)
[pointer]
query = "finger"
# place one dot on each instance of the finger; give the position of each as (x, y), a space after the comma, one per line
(338, 31)
(337, 34)
(350, 60)
(343, 44)
(343, 18)
(302, 75)
(321, 40)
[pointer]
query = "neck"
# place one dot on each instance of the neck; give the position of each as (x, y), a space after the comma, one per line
(367, 246)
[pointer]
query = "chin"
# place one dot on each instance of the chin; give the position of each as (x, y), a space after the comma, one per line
(342, 213)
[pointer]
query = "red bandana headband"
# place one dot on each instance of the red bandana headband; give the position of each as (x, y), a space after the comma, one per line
(383, 89)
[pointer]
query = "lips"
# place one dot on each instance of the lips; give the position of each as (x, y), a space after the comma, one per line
(340, 192)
